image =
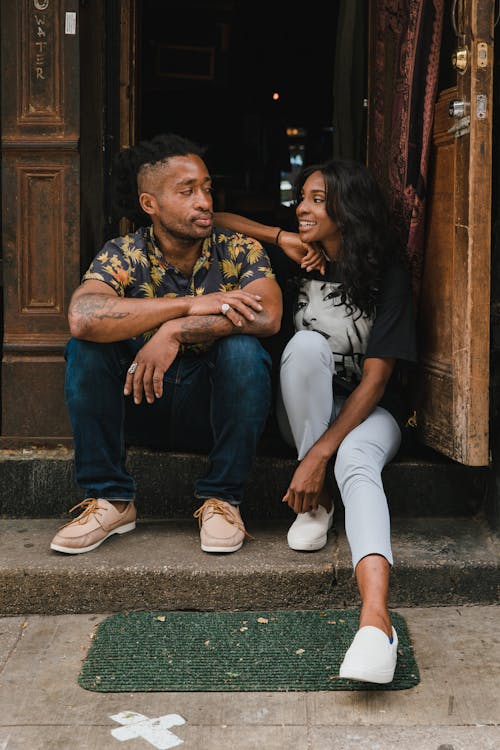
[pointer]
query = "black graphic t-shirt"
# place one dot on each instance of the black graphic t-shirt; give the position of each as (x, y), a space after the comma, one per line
(353, 336)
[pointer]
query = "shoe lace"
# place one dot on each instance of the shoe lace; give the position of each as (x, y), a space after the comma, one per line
(217, 506)
(89, 506)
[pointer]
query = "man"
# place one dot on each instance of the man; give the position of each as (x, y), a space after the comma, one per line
(165, 349)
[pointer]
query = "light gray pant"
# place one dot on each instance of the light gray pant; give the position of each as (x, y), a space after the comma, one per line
(306, 408)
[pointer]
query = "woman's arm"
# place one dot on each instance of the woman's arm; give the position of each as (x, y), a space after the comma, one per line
(309, 477)
(305, 255)
(237, 223)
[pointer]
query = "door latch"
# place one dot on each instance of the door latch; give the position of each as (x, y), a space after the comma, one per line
(461, 127)
(460, 60)
(458, 108)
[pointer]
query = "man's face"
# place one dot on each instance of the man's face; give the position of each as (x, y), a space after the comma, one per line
(178, 197)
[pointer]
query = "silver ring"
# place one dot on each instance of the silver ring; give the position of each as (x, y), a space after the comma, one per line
(133, 367)
(224, 308)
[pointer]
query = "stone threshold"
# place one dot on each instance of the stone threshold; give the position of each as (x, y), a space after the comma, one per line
(438, 561)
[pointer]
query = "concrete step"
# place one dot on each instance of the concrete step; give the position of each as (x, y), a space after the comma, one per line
(39, 483)
(438, 561)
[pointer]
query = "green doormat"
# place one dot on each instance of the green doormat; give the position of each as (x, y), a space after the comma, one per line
(232, 651)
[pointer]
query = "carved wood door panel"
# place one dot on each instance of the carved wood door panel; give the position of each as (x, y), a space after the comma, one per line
(40, 200)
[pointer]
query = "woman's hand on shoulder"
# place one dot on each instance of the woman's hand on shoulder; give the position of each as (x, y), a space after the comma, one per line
(307, 256)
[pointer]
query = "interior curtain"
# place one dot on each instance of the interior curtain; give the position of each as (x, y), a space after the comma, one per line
(405, 52)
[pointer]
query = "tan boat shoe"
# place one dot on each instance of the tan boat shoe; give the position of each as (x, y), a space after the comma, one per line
(221, 526)
(99, 520)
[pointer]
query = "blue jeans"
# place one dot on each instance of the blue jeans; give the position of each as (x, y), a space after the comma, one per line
(216, 402)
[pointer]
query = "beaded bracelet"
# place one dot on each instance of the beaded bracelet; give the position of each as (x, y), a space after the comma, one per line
(277, 236)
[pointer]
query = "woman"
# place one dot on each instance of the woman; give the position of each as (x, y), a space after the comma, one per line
(338, 381)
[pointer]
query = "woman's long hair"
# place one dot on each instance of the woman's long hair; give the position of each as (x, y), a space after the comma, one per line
(356, 203)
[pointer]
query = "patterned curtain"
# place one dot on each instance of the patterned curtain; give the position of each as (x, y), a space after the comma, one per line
(406, 41)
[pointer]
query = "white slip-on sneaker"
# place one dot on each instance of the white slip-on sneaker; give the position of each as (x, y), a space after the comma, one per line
(309, 531)
(371, 657)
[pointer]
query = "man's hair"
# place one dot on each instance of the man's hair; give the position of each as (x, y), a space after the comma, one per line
(129, 162)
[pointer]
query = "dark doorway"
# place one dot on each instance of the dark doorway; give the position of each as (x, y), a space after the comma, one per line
(256, 90)
(254, 83)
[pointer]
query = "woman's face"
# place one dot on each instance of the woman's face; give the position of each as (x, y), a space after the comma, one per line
(314, 223)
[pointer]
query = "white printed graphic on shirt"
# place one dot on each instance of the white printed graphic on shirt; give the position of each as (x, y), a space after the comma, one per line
(318, 308)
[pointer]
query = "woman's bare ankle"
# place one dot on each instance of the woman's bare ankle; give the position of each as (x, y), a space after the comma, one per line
(377, 619)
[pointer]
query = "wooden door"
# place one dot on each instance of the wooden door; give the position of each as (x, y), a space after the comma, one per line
(454, 305)
(40, 202)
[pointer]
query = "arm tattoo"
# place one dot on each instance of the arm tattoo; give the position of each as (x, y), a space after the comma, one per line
(98, 306)
(204, 329)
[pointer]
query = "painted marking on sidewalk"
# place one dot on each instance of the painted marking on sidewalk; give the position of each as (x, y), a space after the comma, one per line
(154, 731)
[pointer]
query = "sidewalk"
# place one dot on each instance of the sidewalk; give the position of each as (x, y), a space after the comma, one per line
(456, 706)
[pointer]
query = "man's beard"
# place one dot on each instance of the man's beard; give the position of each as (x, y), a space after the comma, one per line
(183, 236)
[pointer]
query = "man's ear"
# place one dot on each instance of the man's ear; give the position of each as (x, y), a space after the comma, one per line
(148, 203)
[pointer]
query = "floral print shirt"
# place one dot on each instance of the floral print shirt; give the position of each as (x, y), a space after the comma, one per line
(134, 266)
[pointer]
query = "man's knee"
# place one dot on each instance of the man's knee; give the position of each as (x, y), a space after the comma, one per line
(245, 354)
(243, 369)
(87, 361)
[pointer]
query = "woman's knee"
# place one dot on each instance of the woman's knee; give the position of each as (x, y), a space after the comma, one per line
(307, 346)
(368, 448)
(306, 362)
(354, 461)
